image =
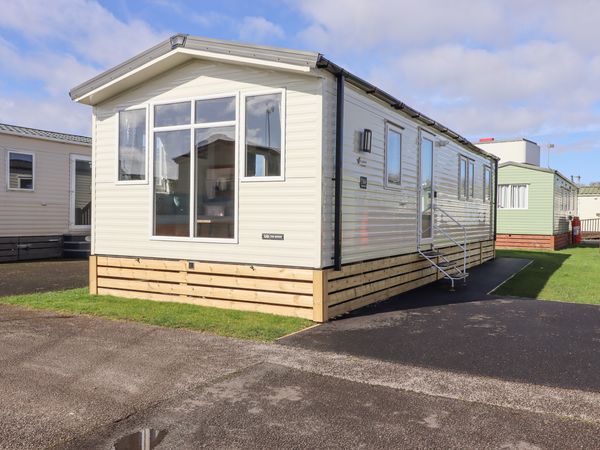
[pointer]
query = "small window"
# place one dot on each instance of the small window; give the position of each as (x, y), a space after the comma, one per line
(393, 157)
(20, 171)
(264, 136)
(487, 184)
(466, 178)
(513, 196)
(172, 114)
(215, 110)
(471, 179)
(132, 145)
(462, 177)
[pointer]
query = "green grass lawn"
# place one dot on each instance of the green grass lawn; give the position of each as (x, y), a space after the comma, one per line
(224, 322)
(570, 275)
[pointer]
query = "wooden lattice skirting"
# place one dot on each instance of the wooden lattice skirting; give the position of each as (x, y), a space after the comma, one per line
(317, 295)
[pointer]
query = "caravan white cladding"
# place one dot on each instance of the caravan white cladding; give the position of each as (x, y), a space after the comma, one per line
(217, 214)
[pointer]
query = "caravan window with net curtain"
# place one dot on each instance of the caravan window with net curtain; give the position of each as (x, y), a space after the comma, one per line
(513, 196)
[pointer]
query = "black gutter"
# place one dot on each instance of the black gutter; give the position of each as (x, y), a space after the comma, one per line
(339, 161)
(324, 63)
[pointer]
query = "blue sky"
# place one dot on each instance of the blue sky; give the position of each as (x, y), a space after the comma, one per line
(486, 68)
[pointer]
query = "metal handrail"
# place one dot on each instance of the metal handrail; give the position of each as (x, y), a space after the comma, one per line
(464, 229)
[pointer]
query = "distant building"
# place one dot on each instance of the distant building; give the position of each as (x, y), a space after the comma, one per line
(588, 202)
(535, 204)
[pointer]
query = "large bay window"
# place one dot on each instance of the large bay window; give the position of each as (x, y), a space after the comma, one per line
(513, 196)
(195, 160)
(264, 136)
(195, 168)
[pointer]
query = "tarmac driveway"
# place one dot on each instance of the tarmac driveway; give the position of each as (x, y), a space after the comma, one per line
(532, 341)
(86, 383)
(28, 277)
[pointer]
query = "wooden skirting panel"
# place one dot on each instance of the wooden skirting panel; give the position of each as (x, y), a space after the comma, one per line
(533, 241)
(275, 290)
(361, 284)
(311, 294)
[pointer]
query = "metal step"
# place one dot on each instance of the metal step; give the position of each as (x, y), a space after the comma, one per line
(430, 253)
(460, 276)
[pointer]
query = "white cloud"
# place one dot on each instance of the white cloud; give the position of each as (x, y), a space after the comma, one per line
(509, 68)
(54, 114)
(83, 26)
(259, 29)
(59, 45)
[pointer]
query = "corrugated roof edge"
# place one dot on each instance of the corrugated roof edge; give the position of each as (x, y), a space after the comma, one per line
(284, 55)
(538, 168)
(36, 133)
(589, 190)
(297, 57)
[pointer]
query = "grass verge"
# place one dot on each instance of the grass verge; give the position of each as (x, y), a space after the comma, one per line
(224, 322)
(569, 275)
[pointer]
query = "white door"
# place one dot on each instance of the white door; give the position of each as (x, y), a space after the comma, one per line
(426, 194)
(80, 192)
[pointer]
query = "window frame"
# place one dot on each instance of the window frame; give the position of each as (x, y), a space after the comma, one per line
(192, 127)
(33, 183)
(463, 190)
(241, 119)
(511, 185)
(470, 179)
(146, 179)
(400, 130)
(487, 187)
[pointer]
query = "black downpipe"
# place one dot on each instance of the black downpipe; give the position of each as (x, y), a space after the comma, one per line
(339, 160)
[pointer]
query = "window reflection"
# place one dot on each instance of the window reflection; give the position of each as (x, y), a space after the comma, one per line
(263, 135)
(215, 182)
(132, 145)
(215, 110)
(172, 183)
(20, 169)
(393, 154)
(172, 114)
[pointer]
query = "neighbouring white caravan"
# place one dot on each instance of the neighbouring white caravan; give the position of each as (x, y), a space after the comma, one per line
(588, 201)
(273, 180)
(45, 193)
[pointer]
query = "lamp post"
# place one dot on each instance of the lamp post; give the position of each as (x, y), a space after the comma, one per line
(549, 146)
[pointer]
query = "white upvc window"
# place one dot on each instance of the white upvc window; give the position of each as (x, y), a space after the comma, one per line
(20, 171)
(487, 183)
(513, 196)
(194, 161)
(466, 178)
(132, 146)
(263, 135)
(393, 156)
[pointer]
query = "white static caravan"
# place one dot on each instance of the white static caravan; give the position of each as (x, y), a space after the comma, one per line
(45, 193)
(273, 180)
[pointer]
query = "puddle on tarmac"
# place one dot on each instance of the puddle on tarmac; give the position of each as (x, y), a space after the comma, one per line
(145, 439)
